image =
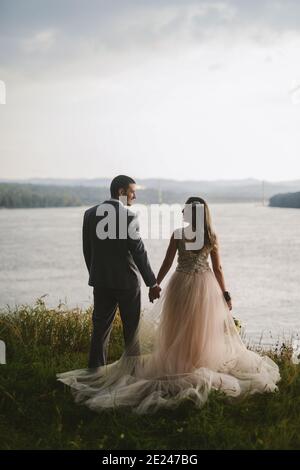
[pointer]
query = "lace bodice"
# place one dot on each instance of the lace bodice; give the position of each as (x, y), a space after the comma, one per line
(190, 261)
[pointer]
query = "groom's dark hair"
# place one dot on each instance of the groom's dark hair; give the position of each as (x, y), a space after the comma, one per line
(120, 181)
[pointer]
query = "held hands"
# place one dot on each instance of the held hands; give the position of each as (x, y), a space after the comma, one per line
(154, 293)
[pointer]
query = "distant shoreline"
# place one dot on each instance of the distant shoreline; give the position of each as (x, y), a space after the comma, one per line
(235, 201)
(33, 195)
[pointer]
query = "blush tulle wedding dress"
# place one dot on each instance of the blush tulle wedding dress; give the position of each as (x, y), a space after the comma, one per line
(189, 345)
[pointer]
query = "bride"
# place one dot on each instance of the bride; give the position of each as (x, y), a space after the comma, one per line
(189, 344)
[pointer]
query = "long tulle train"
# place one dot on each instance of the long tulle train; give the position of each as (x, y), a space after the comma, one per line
(189, 346)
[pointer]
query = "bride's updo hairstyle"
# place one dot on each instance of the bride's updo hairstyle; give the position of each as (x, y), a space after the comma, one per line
(209, 235)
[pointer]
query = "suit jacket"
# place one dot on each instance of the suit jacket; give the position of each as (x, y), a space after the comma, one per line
(114, 262)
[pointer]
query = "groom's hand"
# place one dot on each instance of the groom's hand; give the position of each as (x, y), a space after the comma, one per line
(154, 293)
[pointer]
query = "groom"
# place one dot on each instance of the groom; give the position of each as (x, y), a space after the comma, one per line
(114, 259)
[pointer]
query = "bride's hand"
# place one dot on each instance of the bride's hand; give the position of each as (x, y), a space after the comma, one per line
(154, 292)
(229, 303)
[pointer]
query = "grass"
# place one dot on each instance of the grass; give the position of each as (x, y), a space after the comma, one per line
(37, 412)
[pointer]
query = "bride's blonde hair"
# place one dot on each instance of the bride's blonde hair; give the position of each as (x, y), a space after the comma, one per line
(209, 234)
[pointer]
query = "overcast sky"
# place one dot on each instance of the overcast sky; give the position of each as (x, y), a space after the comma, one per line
(152, 88)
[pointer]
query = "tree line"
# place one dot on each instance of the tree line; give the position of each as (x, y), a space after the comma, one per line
(14, 195)
(291, 200)
(28, 195)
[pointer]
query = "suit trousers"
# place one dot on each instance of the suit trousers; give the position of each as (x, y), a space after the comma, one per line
(106, 301)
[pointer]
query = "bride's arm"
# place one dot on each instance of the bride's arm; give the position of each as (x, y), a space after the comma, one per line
(217, 268)
(168, 261)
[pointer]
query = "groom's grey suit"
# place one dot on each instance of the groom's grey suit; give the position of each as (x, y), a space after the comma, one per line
(114, 265)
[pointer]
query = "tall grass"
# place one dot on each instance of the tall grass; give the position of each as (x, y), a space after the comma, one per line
(37, 412)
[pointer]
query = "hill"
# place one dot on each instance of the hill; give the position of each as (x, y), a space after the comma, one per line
(64, 193)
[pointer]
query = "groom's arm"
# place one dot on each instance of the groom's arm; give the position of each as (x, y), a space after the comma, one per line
(86, 241)
(140, 257)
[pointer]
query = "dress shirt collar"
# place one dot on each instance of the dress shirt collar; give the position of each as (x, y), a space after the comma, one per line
(118, 200)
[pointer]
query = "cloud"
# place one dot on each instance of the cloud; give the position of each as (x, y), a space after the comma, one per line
(41, 41)
(142, 84)
(295, 92)
(73, 35)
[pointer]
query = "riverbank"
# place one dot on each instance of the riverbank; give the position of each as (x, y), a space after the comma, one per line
(37, 412)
